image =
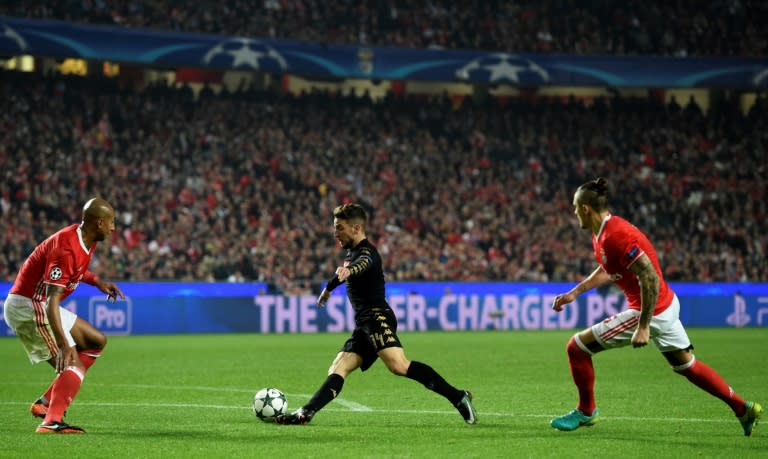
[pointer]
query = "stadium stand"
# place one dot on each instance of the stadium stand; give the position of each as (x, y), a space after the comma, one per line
(240, 186)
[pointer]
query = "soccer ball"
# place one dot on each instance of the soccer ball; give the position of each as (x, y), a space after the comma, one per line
(269, 403)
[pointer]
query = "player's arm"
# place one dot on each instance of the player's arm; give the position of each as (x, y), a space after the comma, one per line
(362, 263)
(325, 295)
(112, 290)
(596, 279)
(359, 265)
(649, 294)
(67, 354)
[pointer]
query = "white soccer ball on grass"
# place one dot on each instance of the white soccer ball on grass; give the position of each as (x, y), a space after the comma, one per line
(269, 403)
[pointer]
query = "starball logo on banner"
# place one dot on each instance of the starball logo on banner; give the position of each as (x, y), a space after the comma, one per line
(502, 68)
(244, 52)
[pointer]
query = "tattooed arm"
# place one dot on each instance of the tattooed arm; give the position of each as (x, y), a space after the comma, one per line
(649, 294)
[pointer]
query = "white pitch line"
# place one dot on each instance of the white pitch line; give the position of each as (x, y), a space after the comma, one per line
(366, 409)
(352, 406)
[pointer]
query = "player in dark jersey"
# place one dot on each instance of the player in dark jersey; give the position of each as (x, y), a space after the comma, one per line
(627, 258)
(375, 333)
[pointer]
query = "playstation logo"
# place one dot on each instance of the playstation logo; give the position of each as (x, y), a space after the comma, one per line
(739, 317)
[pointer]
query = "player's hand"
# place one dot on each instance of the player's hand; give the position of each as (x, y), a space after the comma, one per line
(66, 356)
(342, 273)
(322, 300)
(563, 299)
(641, 336)
(112, 291)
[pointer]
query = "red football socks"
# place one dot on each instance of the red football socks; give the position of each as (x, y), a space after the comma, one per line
(583, 374)
(64, 390)
(87, 357)
(707, 379)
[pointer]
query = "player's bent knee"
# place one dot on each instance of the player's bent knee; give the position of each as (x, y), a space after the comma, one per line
(572, 348)
(87, 336)
(399, 370)
(95, 341)
(344, 364)
(682, 367)
(576, 347)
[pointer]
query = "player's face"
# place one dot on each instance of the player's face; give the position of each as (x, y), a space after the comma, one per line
(580, 211)
(344, 232)
(106, 225)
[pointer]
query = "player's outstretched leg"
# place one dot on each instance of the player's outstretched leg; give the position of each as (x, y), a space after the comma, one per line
(575, 419)
(750, 417)
(709, 380)
(431, 379)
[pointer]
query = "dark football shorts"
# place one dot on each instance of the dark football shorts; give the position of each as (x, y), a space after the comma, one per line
(374, 331)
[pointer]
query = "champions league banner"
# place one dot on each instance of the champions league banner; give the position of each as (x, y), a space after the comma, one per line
(161, 308)
(173, 49)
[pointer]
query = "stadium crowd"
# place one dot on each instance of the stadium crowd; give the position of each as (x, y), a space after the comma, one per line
(241, 186)
(631, 27)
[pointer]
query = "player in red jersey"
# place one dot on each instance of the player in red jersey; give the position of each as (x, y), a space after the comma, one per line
(54, 334)
(626, 257)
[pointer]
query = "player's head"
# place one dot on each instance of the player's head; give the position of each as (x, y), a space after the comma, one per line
(349, 222)
(590, 201)
(98, 218)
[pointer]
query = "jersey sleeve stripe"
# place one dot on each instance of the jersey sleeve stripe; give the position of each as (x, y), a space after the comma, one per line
(56, 284)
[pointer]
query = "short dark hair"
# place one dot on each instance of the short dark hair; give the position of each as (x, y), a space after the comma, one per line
(594, 194)
(352, 213)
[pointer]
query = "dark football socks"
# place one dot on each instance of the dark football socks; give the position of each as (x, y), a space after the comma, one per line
(326, 393)
(433, 381)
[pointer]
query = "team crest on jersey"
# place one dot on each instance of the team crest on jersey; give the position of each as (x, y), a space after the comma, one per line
(55, 273)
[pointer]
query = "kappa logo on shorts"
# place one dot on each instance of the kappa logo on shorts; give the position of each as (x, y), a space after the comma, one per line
(55, 273)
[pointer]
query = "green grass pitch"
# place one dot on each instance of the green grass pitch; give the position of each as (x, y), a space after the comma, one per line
(189, 396)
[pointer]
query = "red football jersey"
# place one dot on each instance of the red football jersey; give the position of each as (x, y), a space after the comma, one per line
(617, 245)
(61, 260)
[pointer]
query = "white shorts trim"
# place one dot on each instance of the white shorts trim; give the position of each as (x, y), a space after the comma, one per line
(29, 320)
(667, 332)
